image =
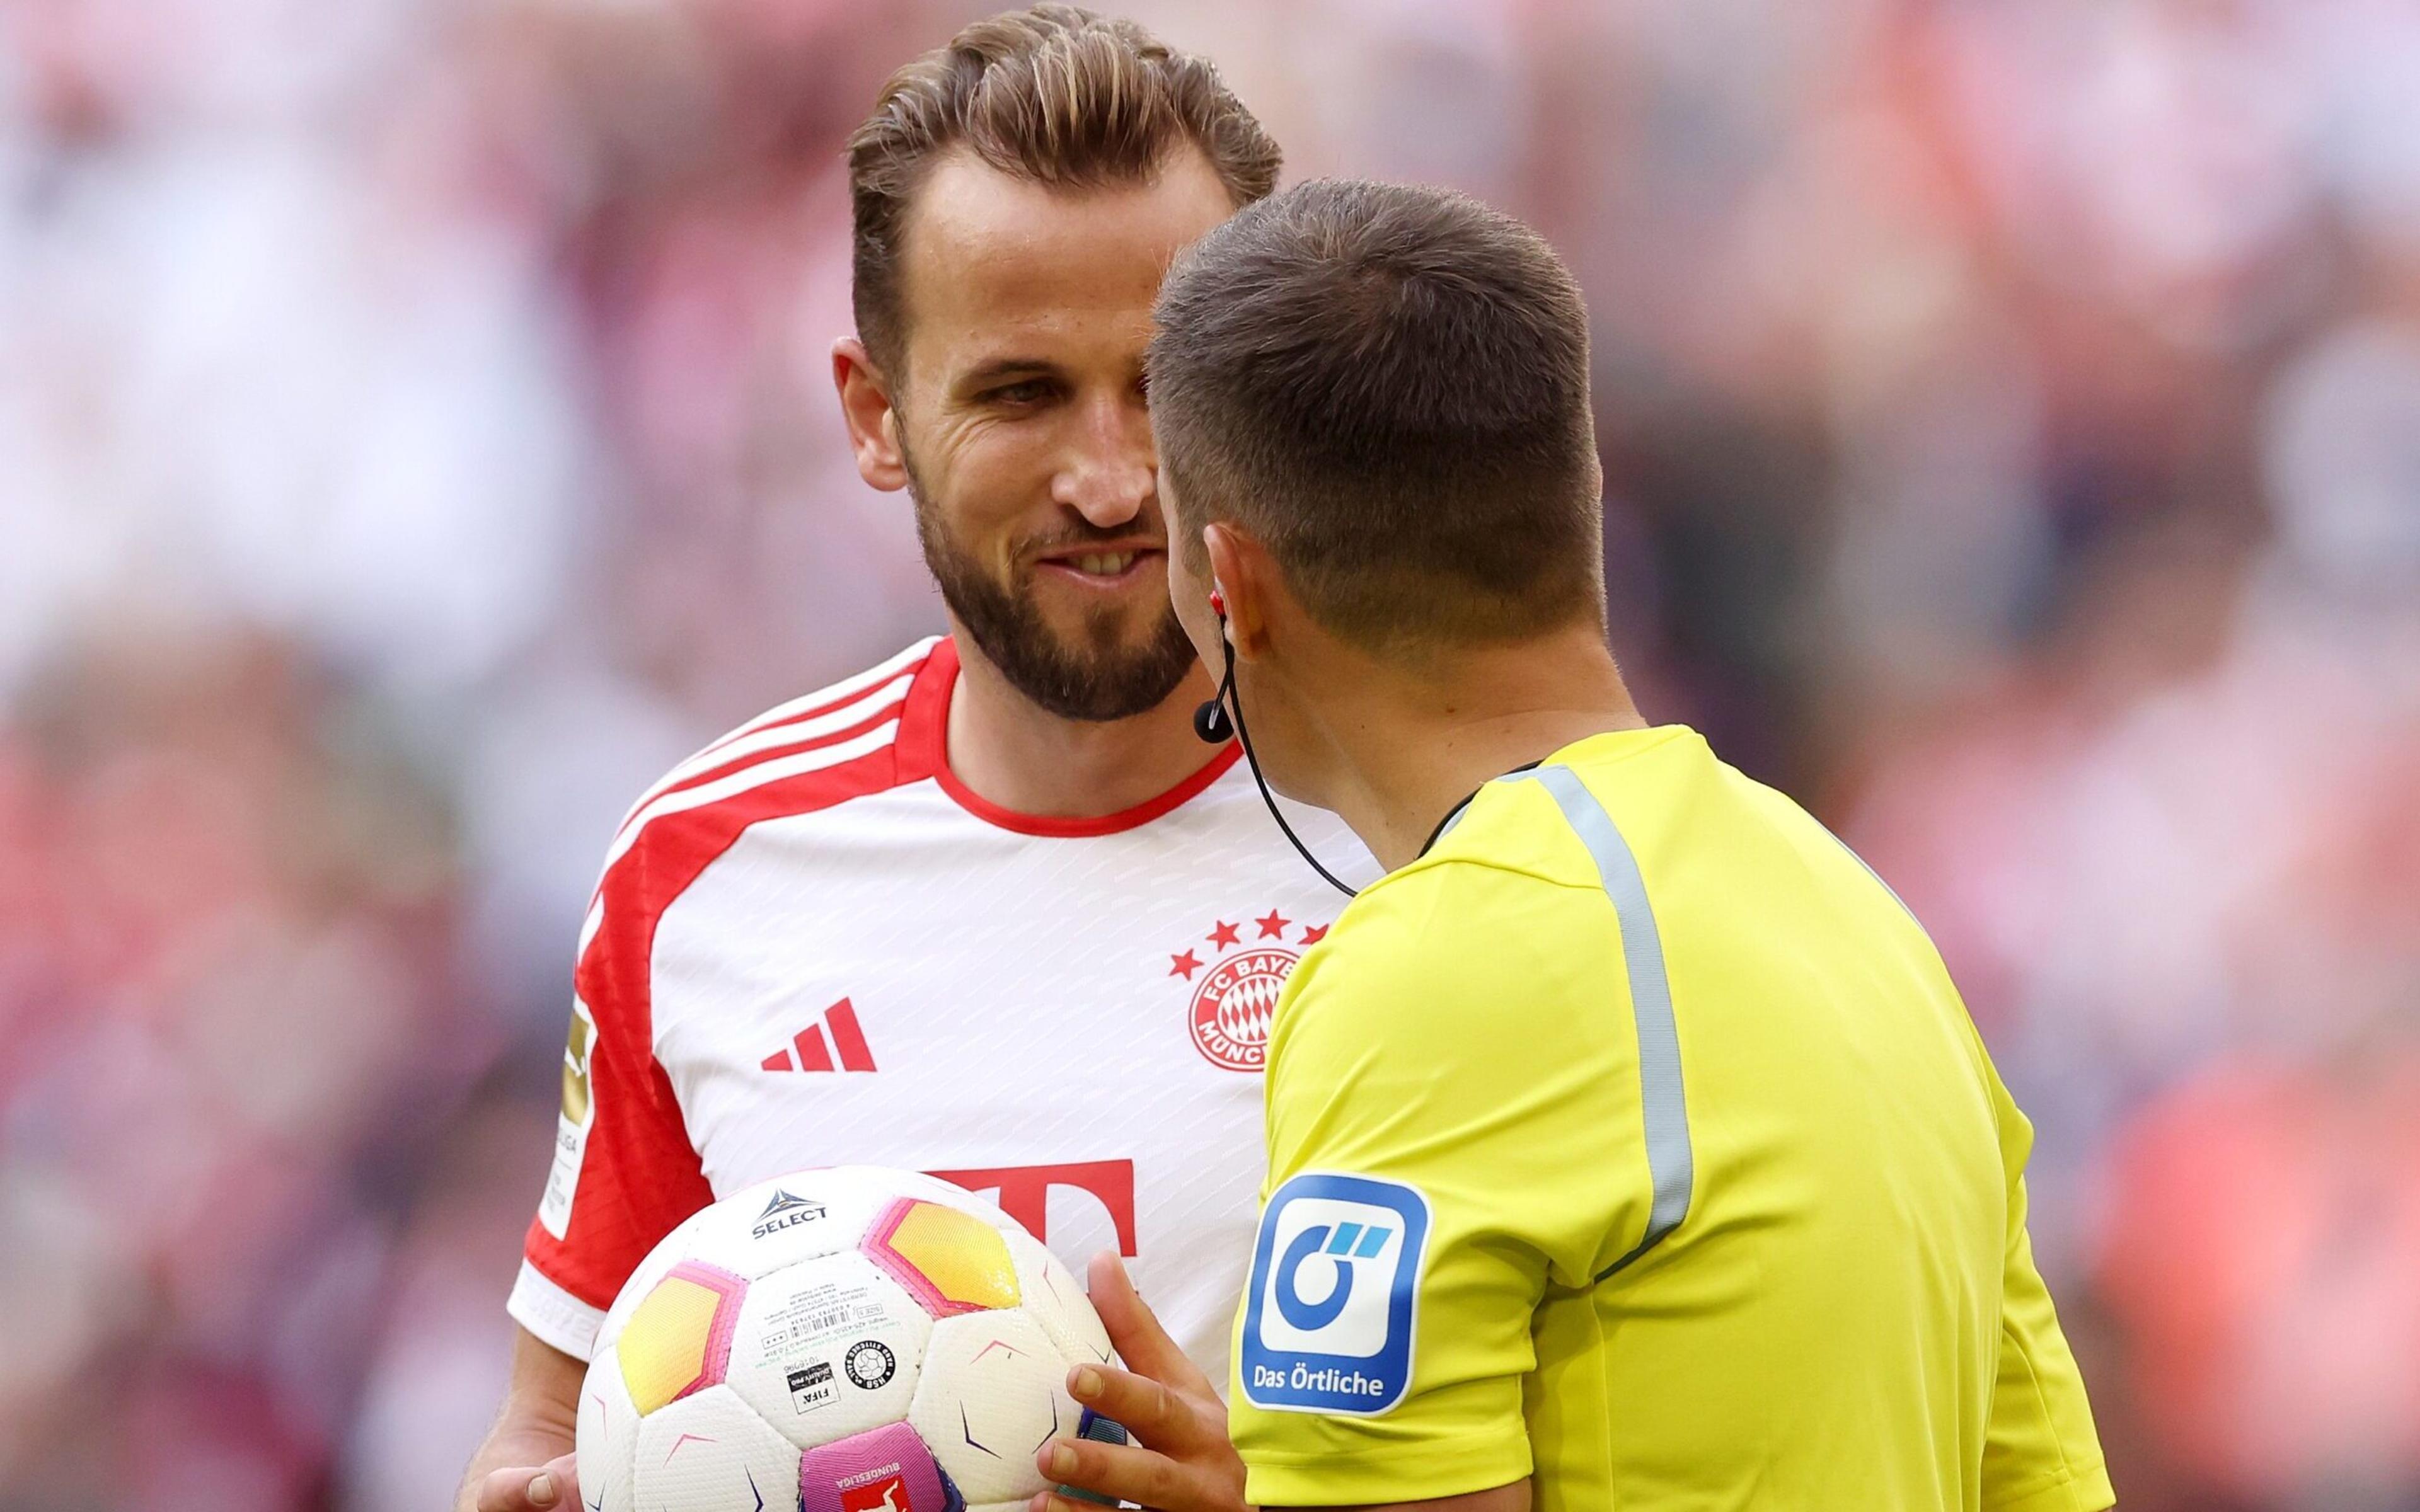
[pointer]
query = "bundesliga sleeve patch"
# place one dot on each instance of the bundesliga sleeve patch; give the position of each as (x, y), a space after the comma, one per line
(571, 1129)
(1333, 1294)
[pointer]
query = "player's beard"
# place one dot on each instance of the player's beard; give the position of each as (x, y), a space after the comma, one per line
(1098, 676)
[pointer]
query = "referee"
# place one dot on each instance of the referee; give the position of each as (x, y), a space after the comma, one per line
(1629, 1146)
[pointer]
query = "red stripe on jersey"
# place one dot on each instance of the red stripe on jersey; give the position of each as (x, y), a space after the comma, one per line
(827, 706)
(850, 1040)
(923, 734)
(868, 695)
(814, 1055)
(758, 758)
(640, 1174)
(839, 696)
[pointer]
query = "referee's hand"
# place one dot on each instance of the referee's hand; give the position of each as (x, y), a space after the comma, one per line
(1180, 1461)
(553, 1487)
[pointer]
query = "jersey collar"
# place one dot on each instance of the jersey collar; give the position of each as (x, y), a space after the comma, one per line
(923, 742)
(1456, 812)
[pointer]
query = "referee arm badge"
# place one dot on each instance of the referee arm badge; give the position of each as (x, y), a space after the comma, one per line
(1333, 1296)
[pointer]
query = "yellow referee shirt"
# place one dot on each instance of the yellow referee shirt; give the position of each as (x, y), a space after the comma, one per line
(1635, 1138)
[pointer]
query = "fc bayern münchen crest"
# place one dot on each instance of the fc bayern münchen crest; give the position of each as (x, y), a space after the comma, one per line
(1237, 995)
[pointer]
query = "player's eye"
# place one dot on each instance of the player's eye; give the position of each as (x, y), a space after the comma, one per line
(1023, 392)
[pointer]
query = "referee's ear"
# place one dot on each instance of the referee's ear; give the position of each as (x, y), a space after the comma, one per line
(1247, 576)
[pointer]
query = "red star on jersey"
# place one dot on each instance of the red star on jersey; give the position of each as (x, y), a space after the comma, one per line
(1226, 935)
(1273, 925)
(1184, 966)
(1313, 936)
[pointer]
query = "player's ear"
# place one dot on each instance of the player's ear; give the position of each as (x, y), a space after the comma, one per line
(873, 419)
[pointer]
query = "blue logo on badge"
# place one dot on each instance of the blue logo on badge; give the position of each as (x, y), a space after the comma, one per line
(1335, 1286)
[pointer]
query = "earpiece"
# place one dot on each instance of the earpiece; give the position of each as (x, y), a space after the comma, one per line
(1211, 721)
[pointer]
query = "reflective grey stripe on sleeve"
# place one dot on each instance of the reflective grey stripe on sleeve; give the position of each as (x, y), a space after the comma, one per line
(1662, 1108)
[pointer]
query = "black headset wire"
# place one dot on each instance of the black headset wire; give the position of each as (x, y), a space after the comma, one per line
(1234, 701)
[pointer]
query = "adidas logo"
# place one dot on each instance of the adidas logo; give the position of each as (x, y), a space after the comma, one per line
(785, 1211)
(809, 1051)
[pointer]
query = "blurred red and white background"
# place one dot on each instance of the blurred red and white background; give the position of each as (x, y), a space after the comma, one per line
(414, 435)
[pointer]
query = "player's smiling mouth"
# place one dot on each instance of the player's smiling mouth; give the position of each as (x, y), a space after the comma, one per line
(1103, 568)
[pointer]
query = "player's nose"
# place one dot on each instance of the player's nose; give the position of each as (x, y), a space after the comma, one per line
(1112, 469)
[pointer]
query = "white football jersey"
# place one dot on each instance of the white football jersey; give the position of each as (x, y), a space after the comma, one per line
(813, 946)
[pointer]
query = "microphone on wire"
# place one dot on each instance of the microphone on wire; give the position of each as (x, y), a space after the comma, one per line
(1210, 722)
(1216, 726)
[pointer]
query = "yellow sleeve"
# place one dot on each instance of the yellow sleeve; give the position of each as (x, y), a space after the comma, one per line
(1427, 1093)
(2041, 1453)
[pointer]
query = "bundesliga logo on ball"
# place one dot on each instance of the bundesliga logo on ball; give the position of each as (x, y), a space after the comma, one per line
(841, 1340)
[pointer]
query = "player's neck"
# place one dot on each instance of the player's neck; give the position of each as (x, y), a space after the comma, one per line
(1409, 746)
(1014, 753)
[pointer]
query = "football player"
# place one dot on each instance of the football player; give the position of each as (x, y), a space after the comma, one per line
(992, 909)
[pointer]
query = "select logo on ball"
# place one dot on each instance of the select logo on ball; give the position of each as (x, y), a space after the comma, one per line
(870, 1364)
(785, 1212)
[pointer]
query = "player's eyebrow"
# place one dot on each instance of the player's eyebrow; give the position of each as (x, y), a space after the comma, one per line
(996, 369)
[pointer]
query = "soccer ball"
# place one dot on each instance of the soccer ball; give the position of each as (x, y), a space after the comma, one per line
(853, 1340)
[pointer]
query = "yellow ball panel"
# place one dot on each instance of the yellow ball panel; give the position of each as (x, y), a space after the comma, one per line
(664, 1345)
(963, 1257)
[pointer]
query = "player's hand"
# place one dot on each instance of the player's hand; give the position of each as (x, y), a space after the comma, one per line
(553, 1487)
(1180, 1460)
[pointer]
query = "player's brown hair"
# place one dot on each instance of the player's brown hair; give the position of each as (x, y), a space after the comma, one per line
(1052, 94)
(1389, 387)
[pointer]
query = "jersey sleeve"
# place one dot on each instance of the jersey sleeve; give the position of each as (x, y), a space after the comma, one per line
(2041, 1453)
(1421, 1198)
(625, 1173)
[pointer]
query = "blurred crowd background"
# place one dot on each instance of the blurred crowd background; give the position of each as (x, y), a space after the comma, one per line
(415, 433)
